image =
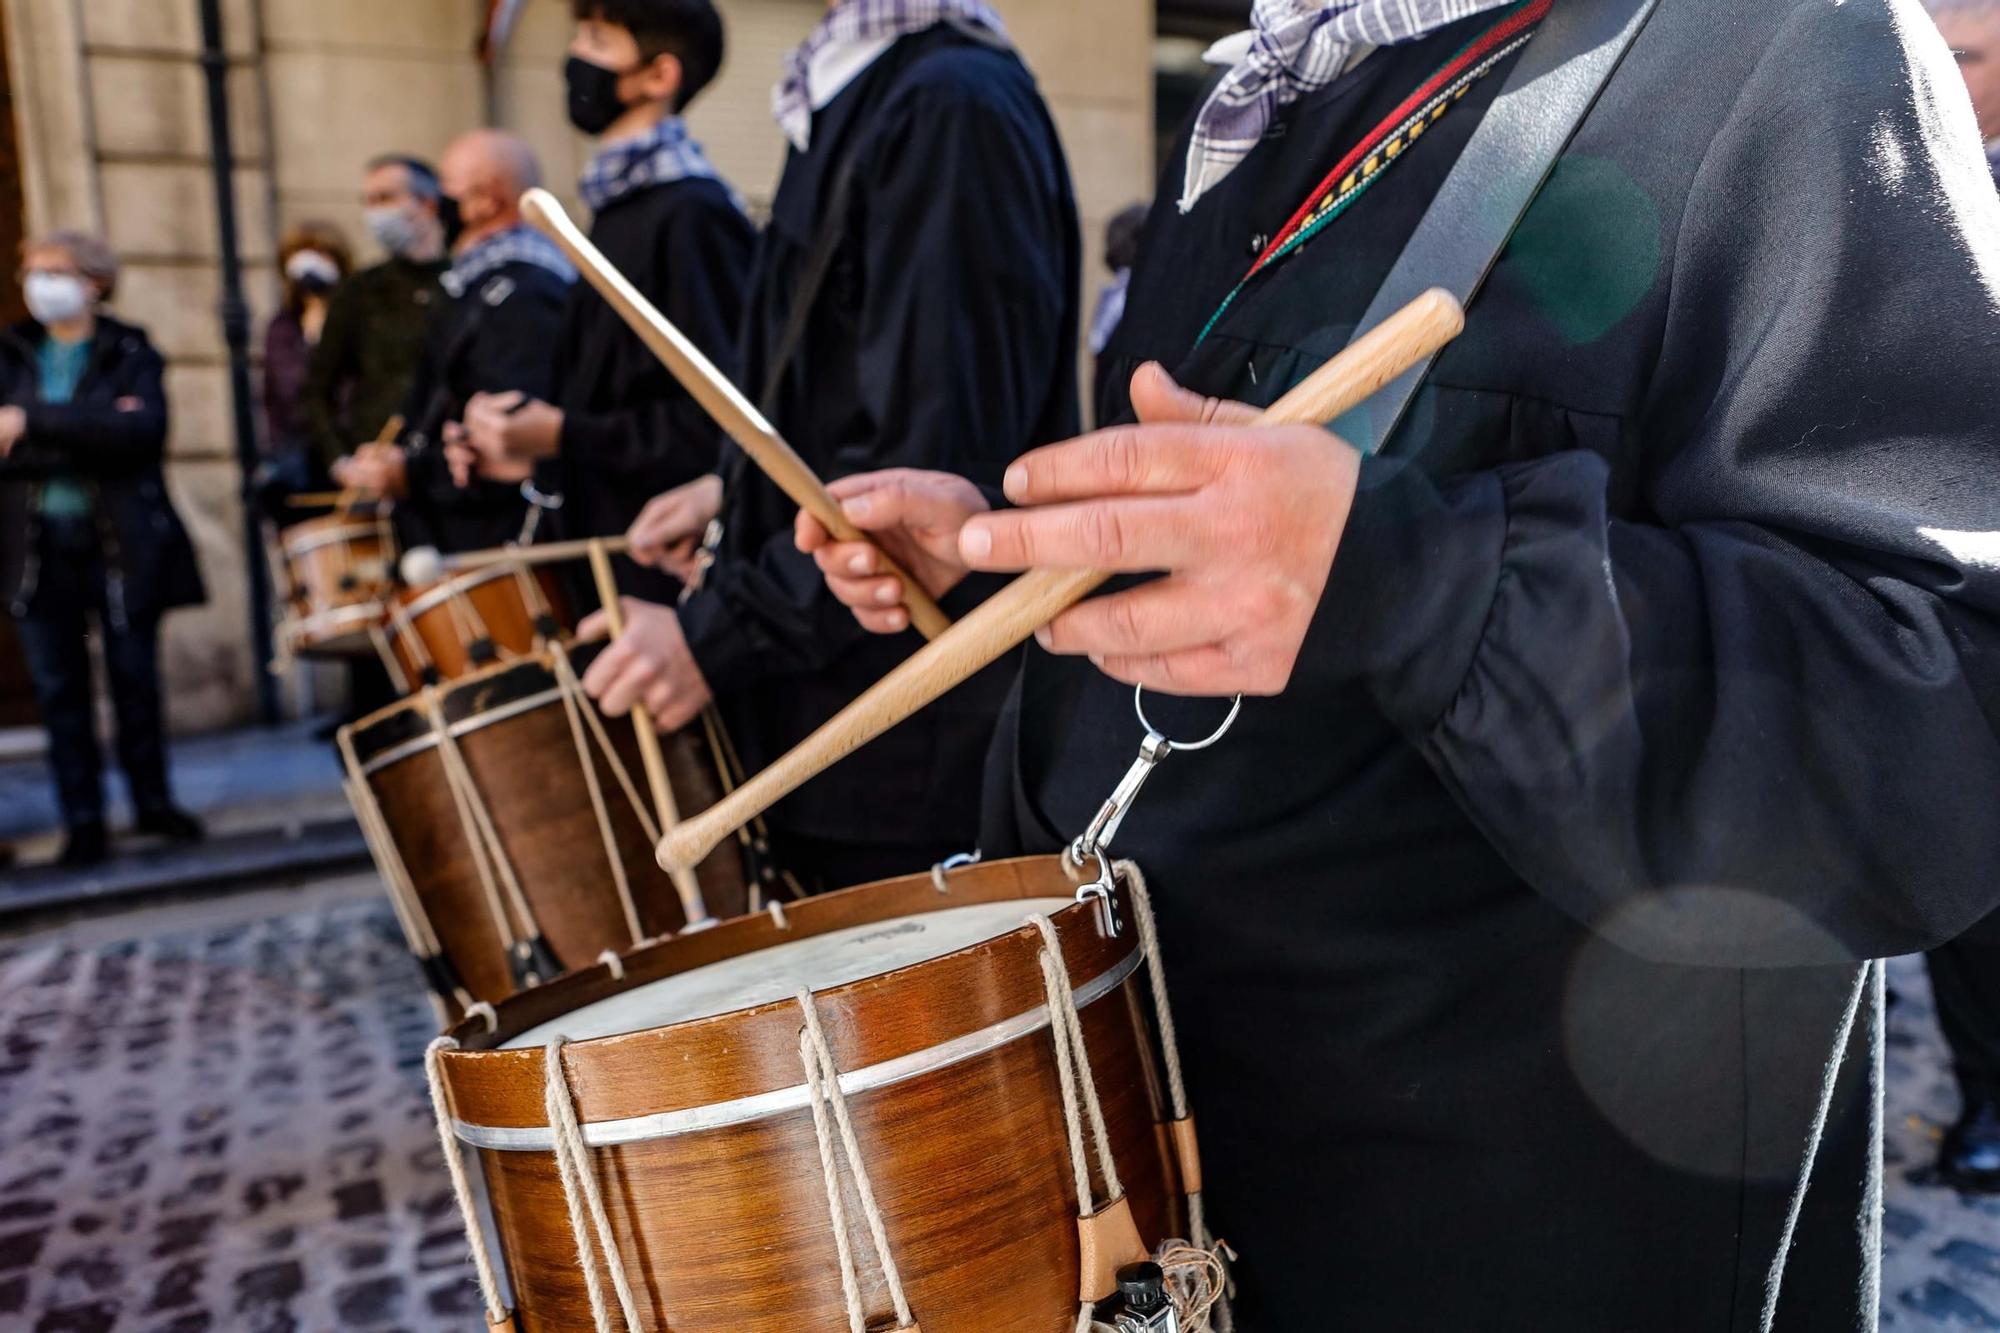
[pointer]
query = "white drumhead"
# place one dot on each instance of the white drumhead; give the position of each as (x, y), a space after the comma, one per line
(819, 963)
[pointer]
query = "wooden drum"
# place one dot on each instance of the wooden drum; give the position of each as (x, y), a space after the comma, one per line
(337, 570)
(511, 826)
(701, 1073)
(447, 629)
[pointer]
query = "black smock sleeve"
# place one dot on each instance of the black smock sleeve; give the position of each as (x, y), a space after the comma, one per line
(1749, 720)
(329, 366)
(961, 314)
(705, 251)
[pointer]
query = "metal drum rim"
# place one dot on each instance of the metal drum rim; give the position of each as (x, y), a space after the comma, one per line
(423, 601)
(312, 541)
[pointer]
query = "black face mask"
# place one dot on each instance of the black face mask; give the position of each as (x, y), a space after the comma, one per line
(593, 95)
(450, 219)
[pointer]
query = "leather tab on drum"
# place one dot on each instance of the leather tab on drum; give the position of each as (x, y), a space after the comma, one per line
(1187, 1152)
(1107, 1240)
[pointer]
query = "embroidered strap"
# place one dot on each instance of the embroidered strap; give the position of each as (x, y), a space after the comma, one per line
(1383, 146)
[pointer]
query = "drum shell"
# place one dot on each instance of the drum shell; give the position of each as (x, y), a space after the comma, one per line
(336, 570)
(514, 734)
(728, 1228)
(494, 596)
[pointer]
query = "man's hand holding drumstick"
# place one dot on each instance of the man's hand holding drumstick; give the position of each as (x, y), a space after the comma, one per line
(1244, 519)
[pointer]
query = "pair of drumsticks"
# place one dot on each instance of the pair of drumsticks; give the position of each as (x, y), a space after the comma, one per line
(1405, 339)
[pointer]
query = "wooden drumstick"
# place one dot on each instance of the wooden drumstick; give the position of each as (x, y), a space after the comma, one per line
(655, 763)
(424, 564)
(354, 495)
(718, 397)
(1407, 338)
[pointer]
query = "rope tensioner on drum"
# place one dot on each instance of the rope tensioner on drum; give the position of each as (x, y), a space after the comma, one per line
(1187, 1150)
(1107, 1237)
(586, 1201)
(565, 675)
(498, 1316)
(823, 1090)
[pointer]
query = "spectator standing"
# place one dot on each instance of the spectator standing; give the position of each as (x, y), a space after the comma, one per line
(360, 372)
(312, 261)
(87, 532)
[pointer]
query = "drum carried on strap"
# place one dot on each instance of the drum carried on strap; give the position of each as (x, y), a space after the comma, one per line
(930, 1101)
(449, 628)
(512, 832)
(337, 570)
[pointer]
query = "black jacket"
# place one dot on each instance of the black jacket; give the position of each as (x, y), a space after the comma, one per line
(360, 370)
(498, 334)
(944, 338)
(149, 562)
(630, 431)
(1656, 682)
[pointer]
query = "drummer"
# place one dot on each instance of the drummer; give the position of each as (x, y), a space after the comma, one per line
(914, 301)
(1646, 681)
(505, 290)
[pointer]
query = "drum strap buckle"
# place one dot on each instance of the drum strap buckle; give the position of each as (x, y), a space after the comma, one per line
(1097, 836)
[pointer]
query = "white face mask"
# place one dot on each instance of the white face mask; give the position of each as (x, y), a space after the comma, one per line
(394, 229)
(56, 298)
(312, 270)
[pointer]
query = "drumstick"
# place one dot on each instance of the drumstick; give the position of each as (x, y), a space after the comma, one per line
(1407, 338)
(424, 564)
(692, 907)
(718, 397)
(353, 495)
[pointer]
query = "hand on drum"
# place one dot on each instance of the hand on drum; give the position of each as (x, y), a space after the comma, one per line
(915, 516)
(376, 468)
(648, 664)
(1243, 519)
(667, 534)
(510, 429)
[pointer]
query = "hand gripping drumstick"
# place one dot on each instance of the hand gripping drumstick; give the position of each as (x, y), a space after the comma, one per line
(1407, 338)
(685, 884)
(718, 397)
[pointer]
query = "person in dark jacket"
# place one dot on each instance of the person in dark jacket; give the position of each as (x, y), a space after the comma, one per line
(927, 186)
(495, 334)
(619, 428)
(87, 533)
(360, 372)
(1637, 688)
(312, 261)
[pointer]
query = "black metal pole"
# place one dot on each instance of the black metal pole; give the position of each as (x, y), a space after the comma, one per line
(236, 334)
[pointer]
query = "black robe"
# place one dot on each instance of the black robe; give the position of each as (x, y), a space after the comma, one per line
(944, 338)
(498, 334)
(1656, 683)
(630, 431)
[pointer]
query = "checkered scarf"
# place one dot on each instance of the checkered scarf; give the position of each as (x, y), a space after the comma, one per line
(662, 155)
(862, 21)
(516, 245)
(1299, 47)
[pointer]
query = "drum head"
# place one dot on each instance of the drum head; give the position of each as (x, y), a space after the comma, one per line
(819, 963)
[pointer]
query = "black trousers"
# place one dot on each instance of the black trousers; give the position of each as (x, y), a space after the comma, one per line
(1965, 981)
(71, 593)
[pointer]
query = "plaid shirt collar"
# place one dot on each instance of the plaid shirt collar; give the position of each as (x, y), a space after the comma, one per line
(847, 41)
(662, 155)
(516, 245)
(1299, 47)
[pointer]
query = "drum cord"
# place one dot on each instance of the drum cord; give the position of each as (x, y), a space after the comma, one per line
(497, 1314)
(573, 1165)
(566, 674)
(609, 835)
(823, 1089)
(1163, 1011)
(488, 854)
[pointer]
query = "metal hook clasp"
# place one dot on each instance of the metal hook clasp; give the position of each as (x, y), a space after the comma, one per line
(538, 501)
(1104, 826)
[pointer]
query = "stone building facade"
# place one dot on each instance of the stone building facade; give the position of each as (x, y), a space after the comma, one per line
(111, 120)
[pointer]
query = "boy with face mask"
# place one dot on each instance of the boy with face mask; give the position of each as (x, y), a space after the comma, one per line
(619, 428)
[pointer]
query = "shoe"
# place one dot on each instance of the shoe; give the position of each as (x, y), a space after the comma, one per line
(172, 823)
(1969, 1161)
(86, 845)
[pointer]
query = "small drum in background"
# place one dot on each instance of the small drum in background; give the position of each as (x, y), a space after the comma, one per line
(884, 1107)
(337, 570)
(458, 624)
(511, 825)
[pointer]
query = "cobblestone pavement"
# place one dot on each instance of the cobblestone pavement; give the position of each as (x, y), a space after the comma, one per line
(223, 1128)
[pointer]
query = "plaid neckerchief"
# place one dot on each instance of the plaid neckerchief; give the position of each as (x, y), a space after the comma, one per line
(858, 24)
(662, 155)
(1299, 47)
(516, 245)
